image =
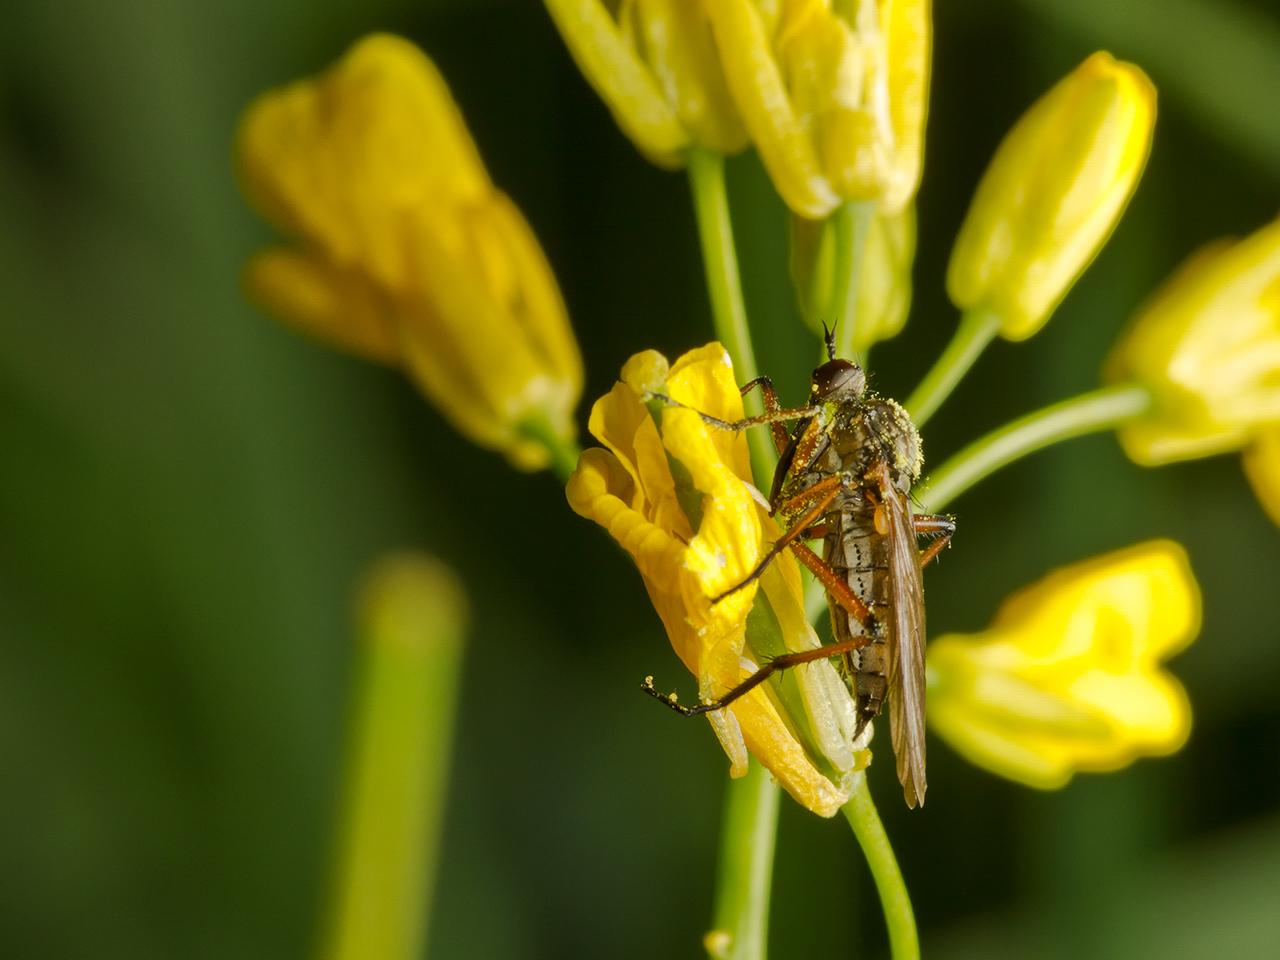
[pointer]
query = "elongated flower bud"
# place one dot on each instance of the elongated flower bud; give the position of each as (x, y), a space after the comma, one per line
(406, 251)
(1068, 677)
(1262, 467)
(654, 64)
(1052, 194)
(1207, 346)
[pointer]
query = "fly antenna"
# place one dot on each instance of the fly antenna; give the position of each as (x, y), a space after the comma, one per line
(829, 337)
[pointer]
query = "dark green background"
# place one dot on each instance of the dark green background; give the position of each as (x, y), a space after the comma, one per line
(188, 493)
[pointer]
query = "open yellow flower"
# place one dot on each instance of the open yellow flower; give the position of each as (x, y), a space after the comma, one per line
(676, 496)
(834, 95)
(1207, 347)
(1068, 676)
(406, 253)
(655, 65)
(1052, 194)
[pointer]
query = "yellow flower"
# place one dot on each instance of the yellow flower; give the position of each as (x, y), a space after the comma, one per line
(1052, 194)
(1067, 678)
(1262, 467)
(1207, 347)
(406, 253)
(881, 298)
(833, 95)
(655, 65)
(676, 496)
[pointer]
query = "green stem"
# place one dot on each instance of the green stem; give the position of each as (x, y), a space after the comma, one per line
(977, 329)
(728, 309)
(563, 452)
(412, 626)
(1101, 409)
(741, 920)
(860, 811)
(852, 223)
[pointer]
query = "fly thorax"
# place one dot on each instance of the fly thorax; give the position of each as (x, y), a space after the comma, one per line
(892, 431)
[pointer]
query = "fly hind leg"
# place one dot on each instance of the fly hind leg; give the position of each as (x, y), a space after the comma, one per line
(940, 528)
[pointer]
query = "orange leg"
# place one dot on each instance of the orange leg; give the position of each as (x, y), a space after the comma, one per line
(821, 493)
(781, 439)
(767, 669)
(836, 588)
(774, 416)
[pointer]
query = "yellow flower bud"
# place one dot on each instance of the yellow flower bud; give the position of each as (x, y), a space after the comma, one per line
(1207, 346)
(406, 252)
(1052, 194)
(1262, 467)
(655, 65)
(1068, 677)
(676, 495)
(882, 296)
(833, 95)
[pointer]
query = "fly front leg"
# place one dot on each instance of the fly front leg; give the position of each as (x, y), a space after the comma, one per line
(779, 416)
(771, 405)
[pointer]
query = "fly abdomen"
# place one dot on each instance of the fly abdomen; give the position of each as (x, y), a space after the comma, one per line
(857, 553)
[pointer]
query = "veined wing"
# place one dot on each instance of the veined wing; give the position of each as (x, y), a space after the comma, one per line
(905, 674)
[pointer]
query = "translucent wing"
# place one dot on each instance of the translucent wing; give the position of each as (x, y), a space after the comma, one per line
(905, 639)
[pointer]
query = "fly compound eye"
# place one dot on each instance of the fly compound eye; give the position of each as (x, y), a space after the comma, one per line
(838, 378)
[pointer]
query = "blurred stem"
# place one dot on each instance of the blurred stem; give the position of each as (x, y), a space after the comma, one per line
(724, 286)
(401, 721)
(1102, 409)
(747, 834)
(852, 222)
(977, 329)
(860, 811)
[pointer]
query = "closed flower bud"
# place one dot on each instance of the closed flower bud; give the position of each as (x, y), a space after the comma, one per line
(654, 63)
(1207, 347)
(833, 96)
(405, 251)
(1052, 195)
(676, 495)
(882, 296)
(1068, 677)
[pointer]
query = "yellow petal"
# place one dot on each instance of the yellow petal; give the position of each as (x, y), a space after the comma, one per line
(340, 307)
(758, 88)
(908, 32)
(620, 76)
(1262, 467)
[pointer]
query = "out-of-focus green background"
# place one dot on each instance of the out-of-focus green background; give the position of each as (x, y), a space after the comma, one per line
(188, 493)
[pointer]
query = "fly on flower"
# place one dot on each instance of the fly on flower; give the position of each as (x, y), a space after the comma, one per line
(844, 477)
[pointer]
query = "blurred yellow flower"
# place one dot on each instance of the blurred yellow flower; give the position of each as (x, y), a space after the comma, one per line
(1068, 677)
(676, 495)
(655, 65)
(406, 253)
(1207, 347)
(881, 298)
(1262, 467)
(1052, 194)
(834, 95)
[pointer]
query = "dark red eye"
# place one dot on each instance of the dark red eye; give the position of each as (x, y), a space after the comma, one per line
(838, 377)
